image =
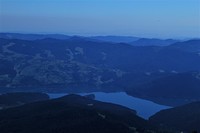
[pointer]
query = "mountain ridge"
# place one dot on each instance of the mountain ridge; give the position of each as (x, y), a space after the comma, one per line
(80, 65)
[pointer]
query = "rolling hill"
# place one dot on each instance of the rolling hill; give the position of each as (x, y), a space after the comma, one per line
(13, 99)
(183, 118)
(153, 42)
(72, 113)
(172, 90)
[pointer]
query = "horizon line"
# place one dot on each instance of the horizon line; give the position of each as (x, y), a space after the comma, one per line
(100, 35)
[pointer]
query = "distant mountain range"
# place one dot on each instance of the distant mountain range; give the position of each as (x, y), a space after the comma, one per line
(188, 46)
(136, 41)
(32, 36)
(78, 64)
(115, 39)
(153, 42)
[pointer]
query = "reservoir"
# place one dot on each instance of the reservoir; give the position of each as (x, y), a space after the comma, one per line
(144, 108)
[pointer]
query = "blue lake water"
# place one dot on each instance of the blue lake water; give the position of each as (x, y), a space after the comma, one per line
(143, 107)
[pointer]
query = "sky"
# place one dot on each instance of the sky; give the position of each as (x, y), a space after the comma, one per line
(142, 18)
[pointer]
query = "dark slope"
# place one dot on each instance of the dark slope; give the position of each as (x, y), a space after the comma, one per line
(20, 98)
(171, 90)
(73, 114)
(183, 118)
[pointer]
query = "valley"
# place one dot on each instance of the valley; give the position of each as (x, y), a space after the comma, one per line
(99, 66)
(78, 64)
(128, 86)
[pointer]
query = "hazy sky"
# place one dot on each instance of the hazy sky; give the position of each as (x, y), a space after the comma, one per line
(144, 18)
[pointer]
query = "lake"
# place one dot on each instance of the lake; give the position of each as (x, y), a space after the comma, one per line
(144, 108)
